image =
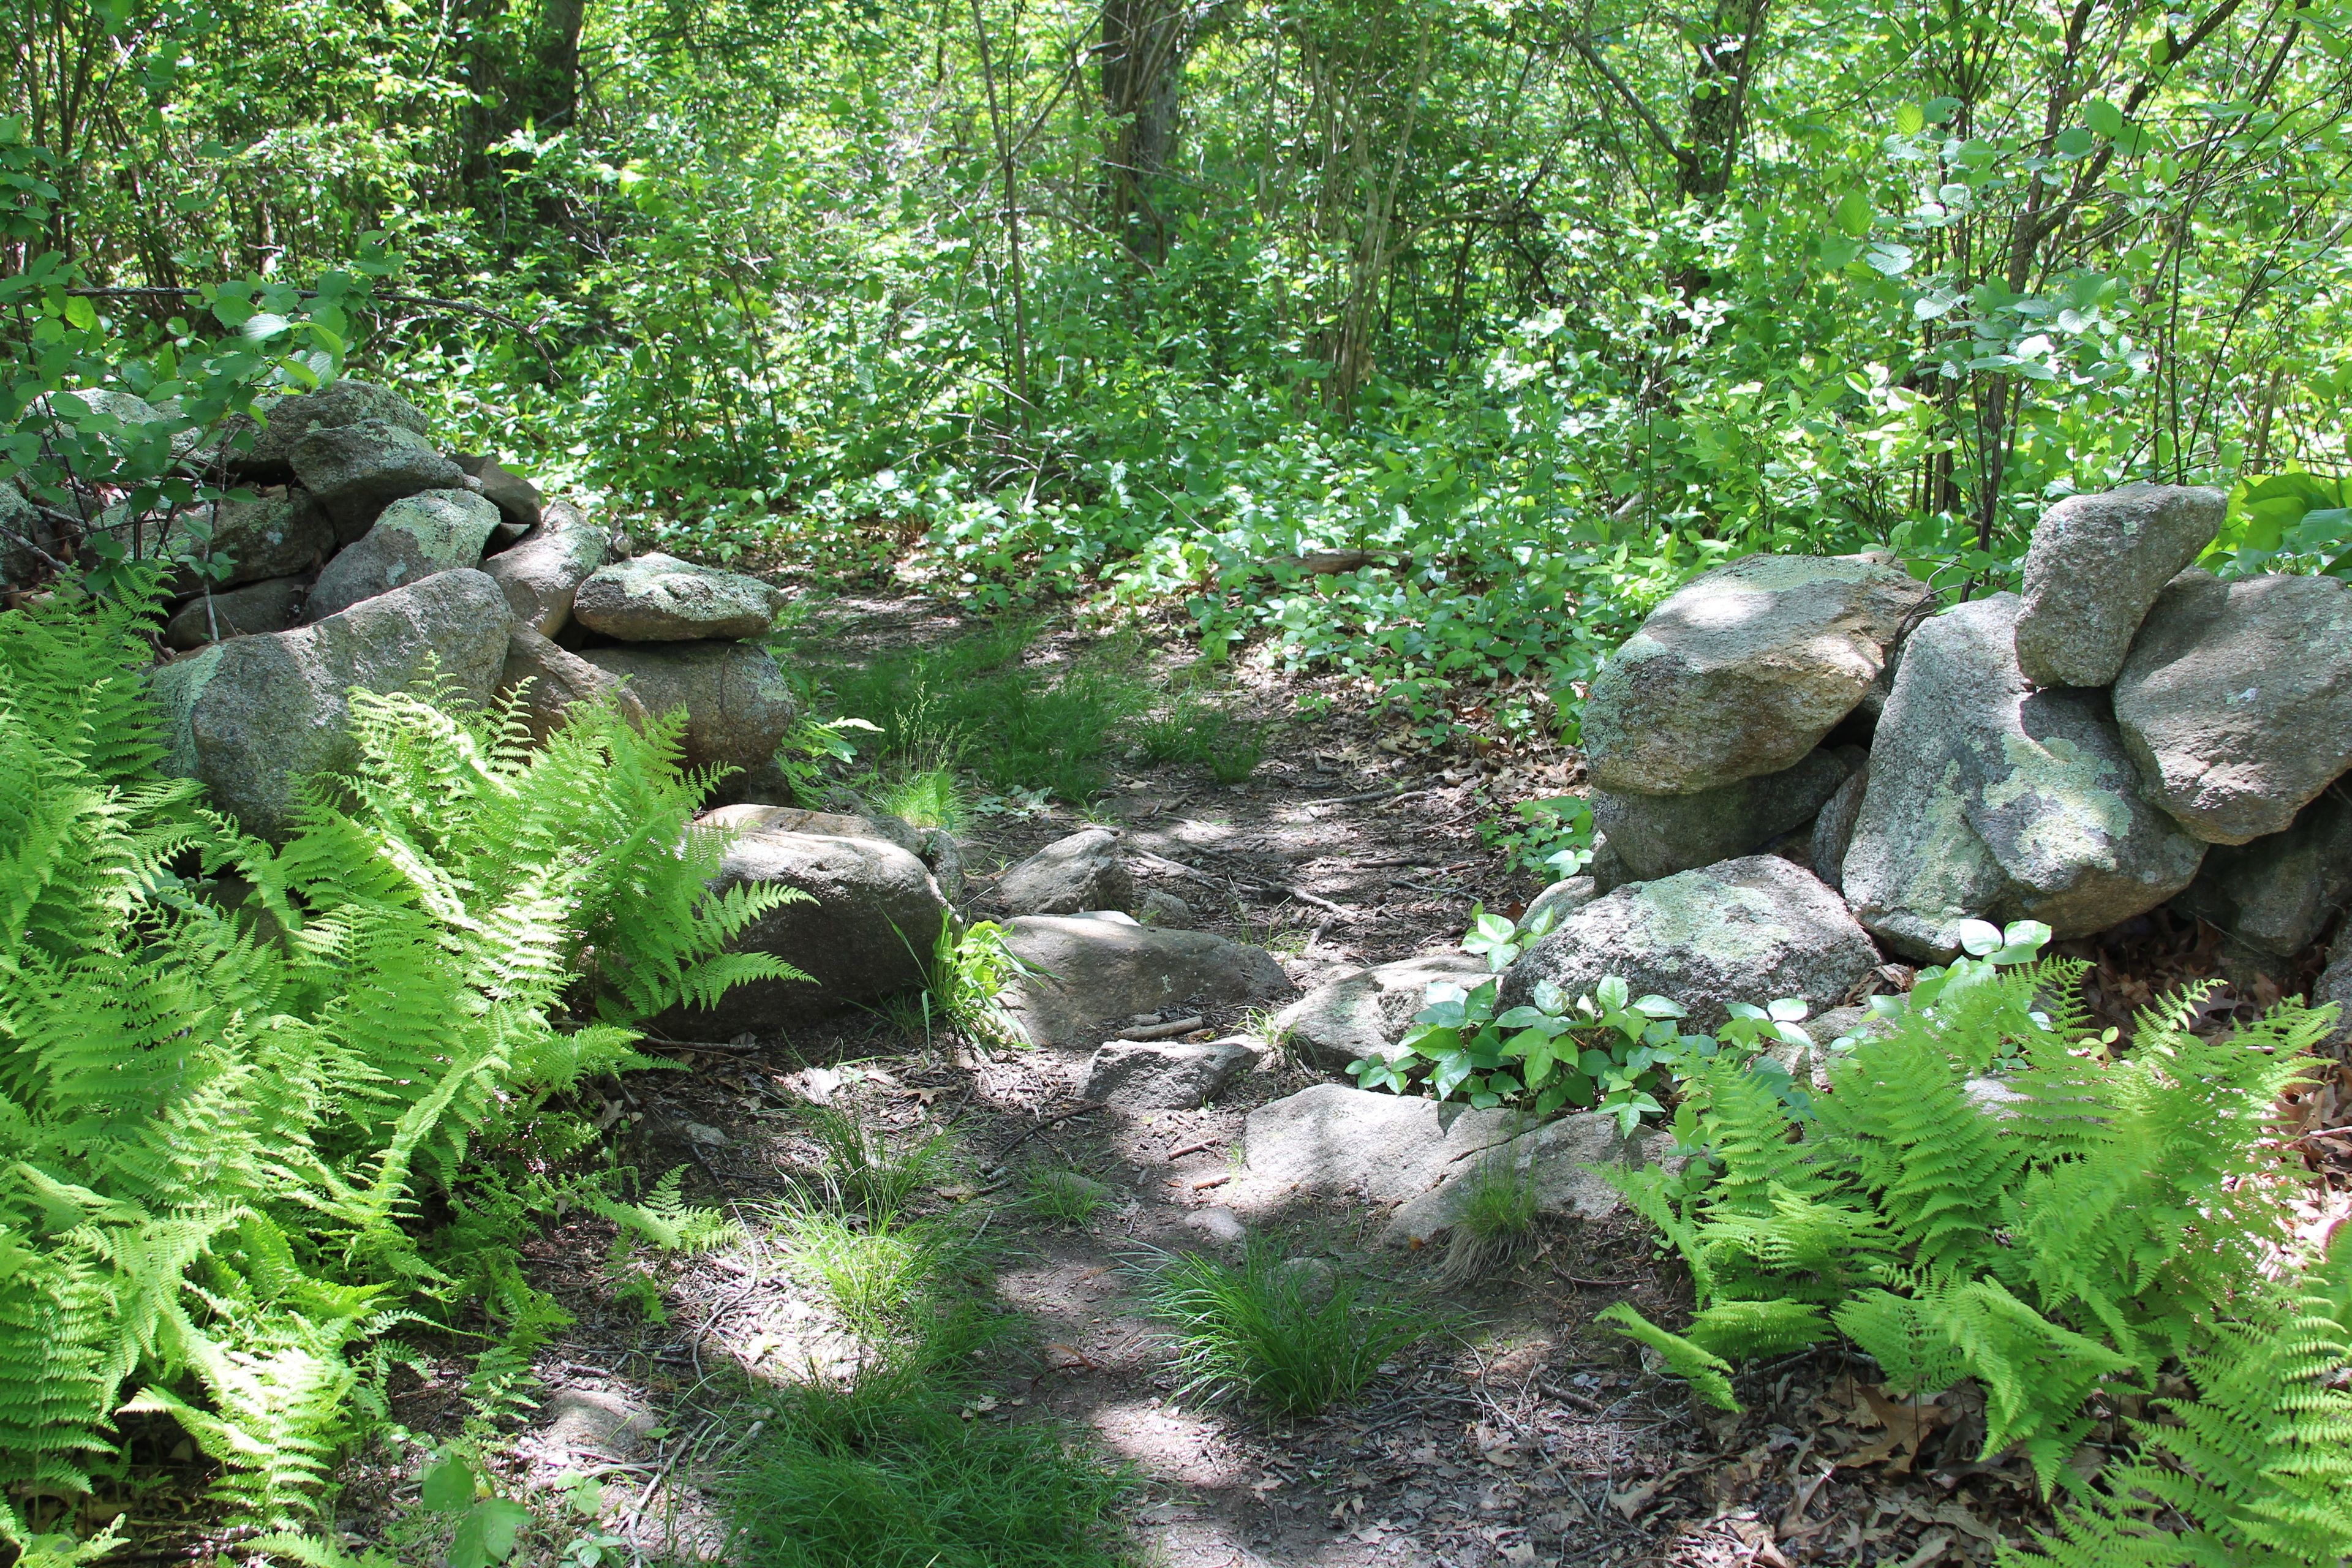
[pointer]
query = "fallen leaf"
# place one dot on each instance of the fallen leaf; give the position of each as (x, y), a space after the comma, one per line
(1521, 1554)
(1957, 1516)
(1631, 1502)
(1267, 1484)
(1502, 1458)
(1931, 1549)
(959, 1193)
(1908, 1423)
(927, 1096)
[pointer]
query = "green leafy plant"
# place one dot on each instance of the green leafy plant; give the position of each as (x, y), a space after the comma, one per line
(1296, 1340)
(2103, 1220)
(487, 1526)
(1551, 837)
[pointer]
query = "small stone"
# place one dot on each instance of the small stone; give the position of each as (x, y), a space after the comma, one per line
(659, 598)
(414, 537)
(2095, 567)
(1158, 907)
(1220, 1227)
(1164, 1075)
(516, 499)
(1069, 877)
(1362, 1013)
(591, 1422)
(1745, 671)
(278, 535)
(702, 1133)
(2236, 701)
(1559, 900)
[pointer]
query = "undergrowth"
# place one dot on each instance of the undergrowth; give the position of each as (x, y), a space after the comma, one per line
(2111, 1230)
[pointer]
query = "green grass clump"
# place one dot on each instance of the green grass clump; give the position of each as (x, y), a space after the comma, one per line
(865, 1171)
(1062, 1196)
(927, 797)
(898, 1476)
(1201, 734)
(881, 1276)
(1296, 1340)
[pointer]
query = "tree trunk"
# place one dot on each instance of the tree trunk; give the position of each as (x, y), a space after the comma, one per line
(522, 71)
(1144, 45)
(1717, 117)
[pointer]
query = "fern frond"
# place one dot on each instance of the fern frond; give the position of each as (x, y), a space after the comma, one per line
(1708, 1374)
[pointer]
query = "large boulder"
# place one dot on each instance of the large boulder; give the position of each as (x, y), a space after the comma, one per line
(357, 470)
(864, 931)
(414, 537)
(280, 534)
(543, 570)
(285, 420)
(1069, 877)
(1753, 930)
(659, 598)
(1090, 972)
(1658, 835)
(2096, 565)
(2236, 701)
(738, 704)
(1423, 1156)
(258, 607)
(253, 716)
(1744, 670)
(2276, 894)
(551, 681)
(935, 846)
(1988, 799)
(1363, 1011)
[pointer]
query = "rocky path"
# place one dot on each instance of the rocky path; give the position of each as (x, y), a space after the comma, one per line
(1520, 1434)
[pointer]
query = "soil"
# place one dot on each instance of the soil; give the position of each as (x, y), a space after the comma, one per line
(1527, 1435)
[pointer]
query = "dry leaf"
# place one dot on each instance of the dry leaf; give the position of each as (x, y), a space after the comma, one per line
(1502, 1458)
(1931, 1549)
(959, 1193)
(927, 1096)
(1907, 1425)
(1957, 1515)
(1520, 1554)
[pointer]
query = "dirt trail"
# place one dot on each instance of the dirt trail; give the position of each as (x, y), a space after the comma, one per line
(1526, 1437)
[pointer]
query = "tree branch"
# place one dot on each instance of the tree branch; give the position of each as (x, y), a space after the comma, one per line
(1683, 156)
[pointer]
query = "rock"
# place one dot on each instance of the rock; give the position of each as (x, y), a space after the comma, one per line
(559, 682)
(1607, 868)
(285, 420)
(1833, 828)
(738, 704)
(256, 608)
(1658, 835)
(279, 535)
(1164, 1075)
(1744, 670)
(1559, 900)
(1362, 1013)
(516, 499)
(1094, 969)
(1558, 1160)
(25, 536)
(865, 931)
(1990, 800)
(2276, 894)
(934, 846)
(2236, 700)
(1220, 1227)
(659, 598)
(592, 1423)
(1329, 1141)
(1068, 876)
(357, 470)
(414, 537)
(1158, 907)
(945, 858)
(2096, 565)
(541, 572)
(1754, 929)
(2334, 989)
(252, 716)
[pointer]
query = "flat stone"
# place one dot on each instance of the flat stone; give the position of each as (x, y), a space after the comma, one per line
(258, 607)
(2276, 894)
(1158, 907)
(1991, 800)
(414, 537)
(1094, 970)
(592, 1423)
(1068, 876)
(541, 572)
(1165, 1075)
(1833, 828)
(253, 716)
(516, 499)
(1560, 1161)
(2095, 567)
(864, 931)
(2236, 701)
(659, 598)
(737, 703)
(1752, 930)
(354, 471)
(1744, 670)
(285, 420)
(553, 681)
(1362, 1013)
(1658, 835)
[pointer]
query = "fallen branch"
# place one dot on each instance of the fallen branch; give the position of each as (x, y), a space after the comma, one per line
(1163, 1031)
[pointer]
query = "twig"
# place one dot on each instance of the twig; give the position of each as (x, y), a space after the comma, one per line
(1082, 1109)
(1380, 793)
(1179, 868)
(1305, 898)
(1163, 1031)
(1176, 1154)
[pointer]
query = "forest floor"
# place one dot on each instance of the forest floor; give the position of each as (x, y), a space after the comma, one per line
(1519, 1433)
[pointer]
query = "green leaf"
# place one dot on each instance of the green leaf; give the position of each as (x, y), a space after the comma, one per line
(1852, 214)
(486, 1534)
(449, 1485)
(1910, 120)
(2103, 118)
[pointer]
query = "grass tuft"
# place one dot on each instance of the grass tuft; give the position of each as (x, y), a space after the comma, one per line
(880, 1276)
(1198, 732)
(1293, 1339)
(1498, 1219)
(1062, 1196)
(863, 1171)
(926, 797)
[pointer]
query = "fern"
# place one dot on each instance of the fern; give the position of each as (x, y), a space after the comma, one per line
(2102, 1224)
(231, 1075)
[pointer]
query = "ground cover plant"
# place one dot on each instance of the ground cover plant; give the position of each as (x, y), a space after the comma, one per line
(238, 1077)
(1990, 1191)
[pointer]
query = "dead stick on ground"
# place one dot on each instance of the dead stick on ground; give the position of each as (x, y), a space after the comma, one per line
(1034, 1128)
(1163, 1031)
(1341, 909)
